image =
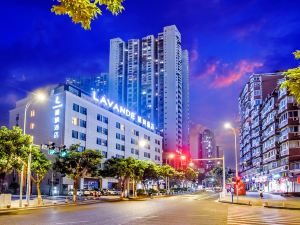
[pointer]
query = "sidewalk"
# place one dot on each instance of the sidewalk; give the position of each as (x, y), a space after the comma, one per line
(269, 200)
(58, 201)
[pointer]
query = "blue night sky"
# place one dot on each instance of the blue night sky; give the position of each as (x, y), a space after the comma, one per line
(227, 41)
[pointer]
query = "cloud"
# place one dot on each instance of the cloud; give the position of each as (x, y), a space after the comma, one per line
(233, 75)
(218, 74)
(9, 99)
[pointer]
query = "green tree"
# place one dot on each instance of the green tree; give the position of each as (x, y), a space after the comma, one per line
(139, 168)
(151, 172)
(14, 148)
(121, 169)
(78, 164)
(190, 174)
(40, 166)
(84, 11)
(292, 82)
(166, 172)
(217, 174)
(116, 167)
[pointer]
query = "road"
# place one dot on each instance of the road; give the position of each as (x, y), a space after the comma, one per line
(178, 210)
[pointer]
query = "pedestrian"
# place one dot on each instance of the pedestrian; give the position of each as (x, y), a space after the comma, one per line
(261, 194)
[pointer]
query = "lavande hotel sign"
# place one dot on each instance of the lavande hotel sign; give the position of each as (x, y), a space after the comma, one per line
(107, 103)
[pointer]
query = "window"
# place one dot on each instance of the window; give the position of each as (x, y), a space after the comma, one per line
(81, 148)
(147, 137)
(82, 136)
(118, 136)
(147, 155)
(123, 147)
(99, 129)
(132, 150)
(83, 110)
(105, 131)
(137, 152)
(104, 153)
(32, 113)
(75, 121)
(120, 156)
(135, 132)
(75, 107)
(99, 117)
(31, 126)
(105, 119)
(83, 123)
(118, 125)
(74, 134)
(123, 137)
(118, 146)
(104, 142)
(99, 141)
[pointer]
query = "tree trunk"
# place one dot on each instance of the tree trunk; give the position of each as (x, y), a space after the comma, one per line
(128, 187)
(133, 189)
(75, 187)
(122, 188)
(38, 187)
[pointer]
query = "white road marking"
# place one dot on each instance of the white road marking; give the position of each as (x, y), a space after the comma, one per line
(72, 222)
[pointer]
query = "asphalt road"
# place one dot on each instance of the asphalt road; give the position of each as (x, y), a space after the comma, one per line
(177, 210)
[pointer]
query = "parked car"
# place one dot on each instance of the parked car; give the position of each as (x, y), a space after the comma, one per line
(79, 192)
(113, 192)
(87, 192)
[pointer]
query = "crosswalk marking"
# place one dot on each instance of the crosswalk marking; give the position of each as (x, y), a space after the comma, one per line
(245, 215)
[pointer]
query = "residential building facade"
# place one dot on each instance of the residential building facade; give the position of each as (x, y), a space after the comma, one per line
(270, 152)
(151, 76)
(98, 83)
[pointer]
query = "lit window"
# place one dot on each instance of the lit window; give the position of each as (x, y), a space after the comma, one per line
(32, 113)
(31, 126)
(75, 121)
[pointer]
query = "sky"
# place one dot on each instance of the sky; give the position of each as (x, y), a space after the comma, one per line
(227, 41)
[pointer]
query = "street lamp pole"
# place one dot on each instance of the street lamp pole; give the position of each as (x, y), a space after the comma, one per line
(40, 97)
(228, 126)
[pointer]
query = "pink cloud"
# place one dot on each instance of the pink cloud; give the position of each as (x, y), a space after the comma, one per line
(235, 74)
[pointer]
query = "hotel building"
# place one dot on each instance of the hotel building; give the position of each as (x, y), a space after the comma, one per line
(72, 116)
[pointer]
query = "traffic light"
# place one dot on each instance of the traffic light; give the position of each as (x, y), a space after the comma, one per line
(51, 148)
(63, 151)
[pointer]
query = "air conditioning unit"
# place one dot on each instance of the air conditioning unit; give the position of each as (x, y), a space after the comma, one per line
(295, 118)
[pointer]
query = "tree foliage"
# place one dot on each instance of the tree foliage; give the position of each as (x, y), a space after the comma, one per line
(78, 164)
(190, 174)
(292, 82)
(84, 11)
(14, 148)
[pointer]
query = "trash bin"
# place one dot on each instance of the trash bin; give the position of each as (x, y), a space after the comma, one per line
(5, 200)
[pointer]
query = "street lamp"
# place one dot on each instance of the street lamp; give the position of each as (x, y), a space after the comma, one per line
(191, 164)
(228, 126)
(40, 97)
(142, 143)
(169, 156)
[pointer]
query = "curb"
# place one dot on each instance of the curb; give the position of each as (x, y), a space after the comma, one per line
(280, 207)
(235, 203)
(58, 205)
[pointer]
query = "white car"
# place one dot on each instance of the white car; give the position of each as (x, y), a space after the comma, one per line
(79, 193)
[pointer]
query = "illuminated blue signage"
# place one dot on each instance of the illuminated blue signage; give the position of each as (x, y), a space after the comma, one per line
(123, 111)
(57, 117)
